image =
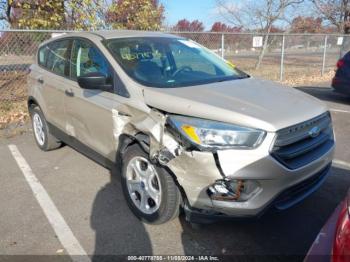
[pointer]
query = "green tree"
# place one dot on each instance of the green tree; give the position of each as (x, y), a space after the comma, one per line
(37, 14)
(135, 14)
(54, 14)
(85, 14)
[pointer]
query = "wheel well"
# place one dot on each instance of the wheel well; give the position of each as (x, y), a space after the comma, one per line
(126, 141)
(143, 140)
(31, 103)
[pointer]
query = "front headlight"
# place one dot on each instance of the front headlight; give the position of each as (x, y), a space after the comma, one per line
(209, 134)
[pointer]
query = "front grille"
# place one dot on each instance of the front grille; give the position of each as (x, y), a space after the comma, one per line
(303, 143)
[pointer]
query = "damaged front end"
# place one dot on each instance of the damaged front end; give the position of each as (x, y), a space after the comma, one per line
(149, 129)
(187, 147)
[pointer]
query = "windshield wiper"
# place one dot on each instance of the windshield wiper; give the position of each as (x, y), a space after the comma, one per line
(232, 78)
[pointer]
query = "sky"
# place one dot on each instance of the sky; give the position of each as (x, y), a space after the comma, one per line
(207, 12)
(203, 10)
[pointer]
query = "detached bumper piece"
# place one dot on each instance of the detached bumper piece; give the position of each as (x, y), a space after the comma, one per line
(233, 190)
(289, 197)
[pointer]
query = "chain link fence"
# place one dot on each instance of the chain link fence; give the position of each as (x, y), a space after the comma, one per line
(287, 57)
(17, 53)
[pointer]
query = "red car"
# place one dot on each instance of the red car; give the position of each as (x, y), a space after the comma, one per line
(333, 241)
(341, 80)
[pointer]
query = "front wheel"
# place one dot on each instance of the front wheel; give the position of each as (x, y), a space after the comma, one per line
(149, 189)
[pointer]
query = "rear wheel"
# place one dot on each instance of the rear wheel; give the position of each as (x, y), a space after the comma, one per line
(43, 138)
(149, 189)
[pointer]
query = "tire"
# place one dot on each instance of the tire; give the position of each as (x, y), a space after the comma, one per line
(43, 138)
(155, 179)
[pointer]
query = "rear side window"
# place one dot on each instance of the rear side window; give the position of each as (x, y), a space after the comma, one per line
(86, 58)
(57, 55)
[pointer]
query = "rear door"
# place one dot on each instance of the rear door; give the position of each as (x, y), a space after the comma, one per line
(52, 80)
(89, 112)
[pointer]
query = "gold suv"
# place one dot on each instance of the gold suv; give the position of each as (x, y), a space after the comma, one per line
(186, 128)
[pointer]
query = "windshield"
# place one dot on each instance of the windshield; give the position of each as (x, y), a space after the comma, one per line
(170, 62)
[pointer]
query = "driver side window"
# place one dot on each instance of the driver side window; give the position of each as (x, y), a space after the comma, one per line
(86, 58)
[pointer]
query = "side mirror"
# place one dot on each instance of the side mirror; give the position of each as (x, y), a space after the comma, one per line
(94, 80)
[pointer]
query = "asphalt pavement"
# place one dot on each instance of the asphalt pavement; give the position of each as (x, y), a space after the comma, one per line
(87, 208)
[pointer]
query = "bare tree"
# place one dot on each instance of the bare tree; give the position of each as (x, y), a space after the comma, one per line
(256, 15)
(337, 12)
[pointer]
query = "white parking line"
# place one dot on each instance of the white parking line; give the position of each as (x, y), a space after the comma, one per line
(339, 110)
(59, 225)
(341, 163)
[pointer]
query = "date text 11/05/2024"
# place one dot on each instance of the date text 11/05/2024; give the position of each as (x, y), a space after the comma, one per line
(173, 258)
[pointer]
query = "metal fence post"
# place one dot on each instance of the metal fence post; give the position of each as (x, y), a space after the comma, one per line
(324, 55)
(223, 46)
(282, 58)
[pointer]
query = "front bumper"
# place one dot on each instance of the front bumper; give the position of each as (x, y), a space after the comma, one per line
(278, 185)
(284, 200)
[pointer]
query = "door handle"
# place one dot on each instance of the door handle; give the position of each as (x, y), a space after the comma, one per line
(69, 93)
(40, 80)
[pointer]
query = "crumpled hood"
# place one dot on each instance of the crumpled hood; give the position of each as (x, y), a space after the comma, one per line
(249, 102)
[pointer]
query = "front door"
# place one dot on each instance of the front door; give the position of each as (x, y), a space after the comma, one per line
(89, 112)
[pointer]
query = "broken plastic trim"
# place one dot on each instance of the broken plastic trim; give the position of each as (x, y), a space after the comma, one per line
(233, 190)
(165, 156)
(223, 190)
(169, 149)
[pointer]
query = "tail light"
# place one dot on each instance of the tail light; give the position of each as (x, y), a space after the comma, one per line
(341, 244)
(340, 63)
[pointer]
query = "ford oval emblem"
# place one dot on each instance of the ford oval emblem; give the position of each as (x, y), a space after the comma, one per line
(314, 132)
